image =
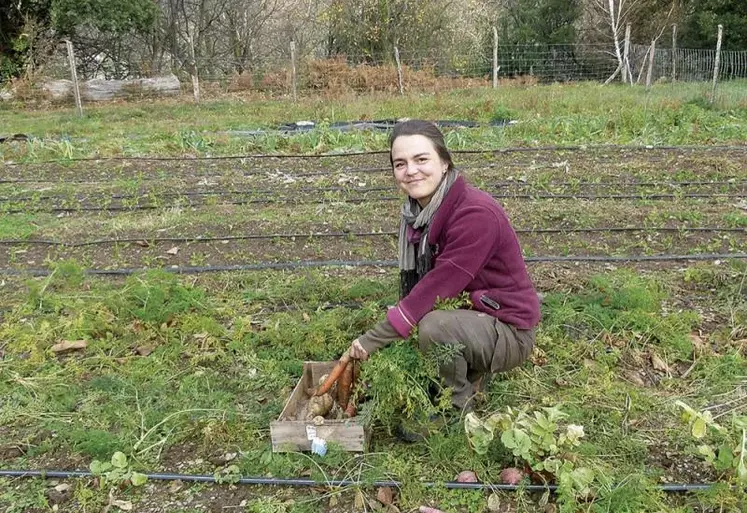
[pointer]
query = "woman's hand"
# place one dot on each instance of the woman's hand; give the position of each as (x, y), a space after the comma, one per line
(357, 352)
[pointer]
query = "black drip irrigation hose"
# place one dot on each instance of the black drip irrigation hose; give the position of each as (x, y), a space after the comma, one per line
(363, 190)
(305, 264)
(306, 236)
(581, 147)
(298, 482)
(314, 201)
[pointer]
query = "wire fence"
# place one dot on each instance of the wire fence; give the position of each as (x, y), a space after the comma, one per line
(403, 70)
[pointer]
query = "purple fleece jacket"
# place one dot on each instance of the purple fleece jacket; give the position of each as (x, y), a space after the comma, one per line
(477, 251)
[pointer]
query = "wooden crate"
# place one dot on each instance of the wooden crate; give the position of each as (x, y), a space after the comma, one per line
(288, 434)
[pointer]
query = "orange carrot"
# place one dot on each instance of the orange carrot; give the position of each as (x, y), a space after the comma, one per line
(344, 385)
(334, 375)
(351, 410)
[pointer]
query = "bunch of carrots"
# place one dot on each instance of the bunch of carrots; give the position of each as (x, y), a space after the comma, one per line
(345, 374)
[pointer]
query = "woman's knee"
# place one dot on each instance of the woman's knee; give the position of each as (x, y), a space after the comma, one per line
(431, 329)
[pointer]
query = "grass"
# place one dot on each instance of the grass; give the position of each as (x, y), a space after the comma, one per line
(585, 113)
(222, 364)
(181, 370)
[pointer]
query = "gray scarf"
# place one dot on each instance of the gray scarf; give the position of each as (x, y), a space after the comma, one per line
(416, 258)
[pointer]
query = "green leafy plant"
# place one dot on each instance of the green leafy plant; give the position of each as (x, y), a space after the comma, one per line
(228, 475)
(539, 441)
(726, 450)
(117, 471)
(462, 301)
(400, 381)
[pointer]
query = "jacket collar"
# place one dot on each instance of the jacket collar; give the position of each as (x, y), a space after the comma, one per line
(447, 206)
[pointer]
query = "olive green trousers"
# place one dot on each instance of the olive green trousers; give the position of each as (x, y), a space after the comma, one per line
(484, 345)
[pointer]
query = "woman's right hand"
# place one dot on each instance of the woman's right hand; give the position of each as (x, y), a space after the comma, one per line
(357, 352)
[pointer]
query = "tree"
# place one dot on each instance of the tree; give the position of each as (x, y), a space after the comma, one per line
(104, 32)
(539, 21)
(702, 18)
(22, 23)
(370, 29)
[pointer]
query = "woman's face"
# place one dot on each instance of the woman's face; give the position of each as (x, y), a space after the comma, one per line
(418, 169)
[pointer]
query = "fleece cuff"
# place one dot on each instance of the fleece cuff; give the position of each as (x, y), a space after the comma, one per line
(401, 323)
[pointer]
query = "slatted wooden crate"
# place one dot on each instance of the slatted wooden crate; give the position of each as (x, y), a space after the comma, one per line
(288, 434)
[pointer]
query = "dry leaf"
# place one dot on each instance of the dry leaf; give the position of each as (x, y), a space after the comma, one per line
(384, 495)
(635, 378)
(306, 317)
(69, 345)
(538, 357)
(700, 347)
(123, 505)
(144, 350)
(494, 503)
(659, 364)
(175, 486)
(173, 251)
(360, 501)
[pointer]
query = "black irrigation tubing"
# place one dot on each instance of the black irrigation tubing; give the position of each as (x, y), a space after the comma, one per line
(301, 482)
(363, 190)
(306, 264)
(298, 201)
(314, 235)
(579, 147)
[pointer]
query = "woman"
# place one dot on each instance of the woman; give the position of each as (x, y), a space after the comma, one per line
(454, 238)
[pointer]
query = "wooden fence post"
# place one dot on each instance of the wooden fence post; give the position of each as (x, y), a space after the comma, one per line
(626, 74)
(74, 77)
(716, 64)
(294, 79)
(399, 71)
(193, 71)
(674, 52)
(495, 58)
(651, 64)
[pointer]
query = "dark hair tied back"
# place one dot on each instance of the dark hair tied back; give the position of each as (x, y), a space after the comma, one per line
(428, 130)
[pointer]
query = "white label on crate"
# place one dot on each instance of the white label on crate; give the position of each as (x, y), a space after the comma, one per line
(310, 432)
